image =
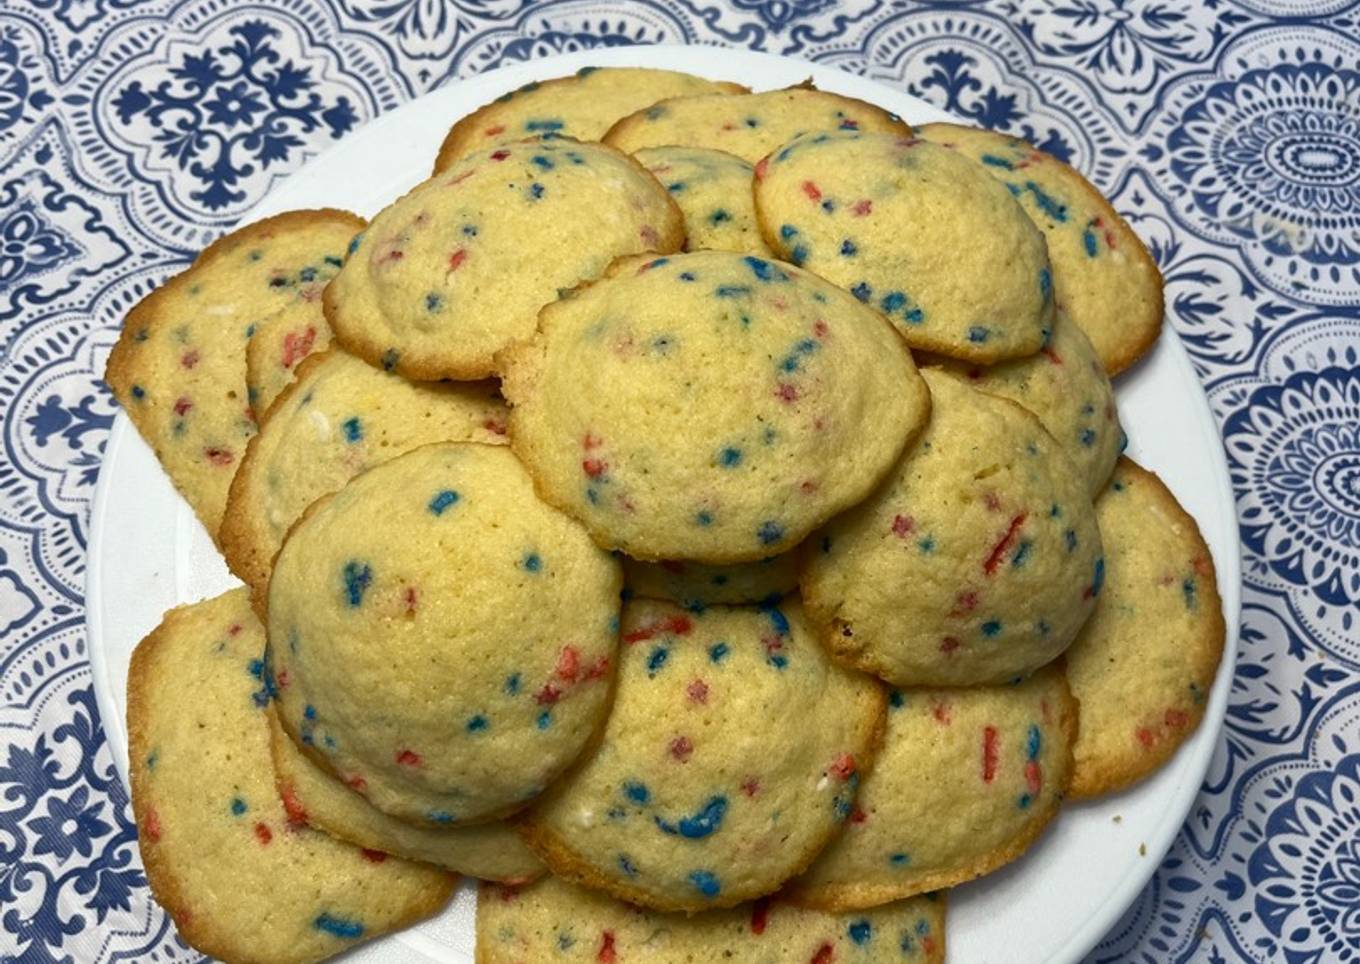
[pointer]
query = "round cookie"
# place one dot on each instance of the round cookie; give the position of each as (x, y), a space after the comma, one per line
(749, 125)
(1103, 275)
(441, 640)
(916, 230)
(339, 418)
(553, 920)
(280, 343)
(976, 562)
(1144, 664)
(730, 758)
(732, 404)
(713, 189)
(582, 105)
(966, 781)
(492, 851)
(1066, 386)
(695, 585)
(179, 366)
(458, 268)
(242, 879)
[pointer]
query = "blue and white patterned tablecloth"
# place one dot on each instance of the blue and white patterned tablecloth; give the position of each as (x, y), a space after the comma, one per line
(1227, 131)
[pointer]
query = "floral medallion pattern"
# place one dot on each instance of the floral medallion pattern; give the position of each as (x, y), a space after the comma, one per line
(1228, 134)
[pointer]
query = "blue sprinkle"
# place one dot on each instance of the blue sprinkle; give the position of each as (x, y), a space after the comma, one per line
(477, 724)
(1022, 554)
(544, 720)
(718, 217)
(1189, 591)
(469, 230)
(718, 652)
(389, 359)
(862, 291)
(769, 533)
(535, 190)
(1042, 627)
(848, 248)
(1024, 801)
(828, 205)
(777, 619)
(732, 291)
(860, 931)
(1088, 238)
(138, 392)
(532, 562)
(899, 860)
(357, 577)
(565, 942)
(762, 269)
(700, 825)
(593, 495)
(1070, 536)
(309, 712)
(1054, 511)
(686, 276)
(897, 699)
(799, 254)
(637, 792)
(354, 242)
(238, 806)
(1088, 437)
(705, 883)
(511, 685)
(439, 816)
(627, 866)
(1098, 580)
(542, 162)
(1033, 742)
(991, 627)
(1054, 209)
(433, 302)
(926, 545)
(443, 500)
(353, 429)
(777, 660)
(892, 301)
(915, 316)
(787, 231)
(657, 659)
(978, 334)
(339, 927)
(729, 458)
(993, 161)
(703, 517)
(659, 262)
(542, 125)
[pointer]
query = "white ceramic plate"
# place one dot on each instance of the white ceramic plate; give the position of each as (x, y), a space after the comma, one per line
(149, 553)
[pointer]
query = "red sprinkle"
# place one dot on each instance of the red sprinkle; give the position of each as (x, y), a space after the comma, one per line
(1051, 355)
(862, 208)
(597, 669)
(548, 695)
(813, 192)
(595, 467)
(296, 347)
(902, 525)
(373, 856)
(297, 813)
(940, 710)
(681, 748)
(456, 179)
(824, 955)
(234, 629)
(568, 664)
(457, 258)
(677, 625)
(786, 392)
(152, 825)
(409, 758)
(606, 954)
(857, 815)
(999, 550)
(988, 754)
(760, 915)
(182, 405)
(263, 833)
(820, 329)
(357, 782)
(282, 679)
(495, 427)
(190, 358)
(965, 602)
(808, 487)
(493, 131)
(949, 644)
(697, 691)
(1034, 777)
(1145, 737)
(591, 442)
(410, 597)
(499, 155)
(843, 767)
(762, 167)
(750, 786)
(1176, 719)
(219, 456)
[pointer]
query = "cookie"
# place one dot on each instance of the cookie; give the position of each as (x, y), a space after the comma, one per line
(916, 230)
(279, 345)
(582, 105)
(709, 406)
(339, 418)
(966, 781)
(1103, 275)
(1144, 664)
(730, 758)
(491, 851)
(442, 641)
(179, 366)
(976, 562)
(748, 125)
(458, 268)
(713, 189)
(1066, 386)
(695, 585)
(241, 879)
(553, 920)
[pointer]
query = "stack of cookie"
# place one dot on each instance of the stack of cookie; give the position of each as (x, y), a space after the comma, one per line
(699, 514)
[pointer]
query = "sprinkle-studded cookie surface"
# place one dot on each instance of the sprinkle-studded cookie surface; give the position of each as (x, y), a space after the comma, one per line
(241, 877)
(967, 779)
(1103, 275)
(341, 417)
(977, 561)
(731, 757)
(557, 921)
(749, 125)
(583, 106)
(491, 851)
(713, 189)
(441, 640)
(279, 345)
(1066, 386)
(179, 368)
(458, 268)
(920, 232)
(695, 585)
(1144, 664)
(732, 405)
